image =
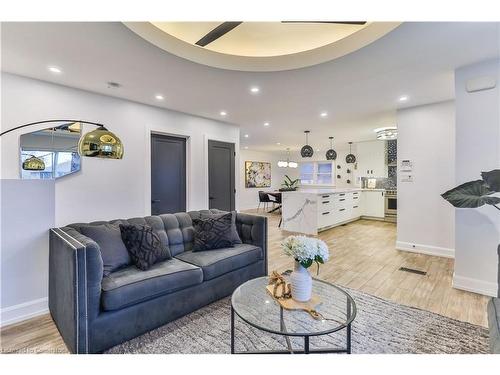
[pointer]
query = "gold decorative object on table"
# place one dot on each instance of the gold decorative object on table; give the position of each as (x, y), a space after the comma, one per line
(280, 290)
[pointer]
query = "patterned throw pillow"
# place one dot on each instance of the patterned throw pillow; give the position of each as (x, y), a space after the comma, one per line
(235, 237)
(144, 245)
(213, 232)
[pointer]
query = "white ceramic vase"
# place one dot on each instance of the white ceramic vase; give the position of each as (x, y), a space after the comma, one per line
(301, 282)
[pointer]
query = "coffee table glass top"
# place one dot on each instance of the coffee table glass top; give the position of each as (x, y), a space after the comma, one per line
(255, 305)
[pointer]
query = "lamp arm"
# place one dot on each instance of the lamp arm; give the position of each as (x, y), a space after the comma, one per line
(46, 121)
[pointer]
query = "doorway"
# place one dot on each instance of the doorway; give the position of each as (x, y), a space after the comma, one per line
(221, 184)
(168, 174)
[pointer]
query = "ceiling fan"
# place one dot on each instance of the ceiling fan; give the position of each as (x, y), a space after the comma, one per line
(226, 27)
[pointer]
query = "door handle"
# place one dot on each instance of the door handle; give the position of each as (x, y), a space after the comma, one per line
(211, 198)
(155, 201)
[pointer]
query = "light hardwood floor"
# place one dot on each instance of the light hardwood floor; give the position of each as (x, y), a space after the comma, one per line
(363, 257)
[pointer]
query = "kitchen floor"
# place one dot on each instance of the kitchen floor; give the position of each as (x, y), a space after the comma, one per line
(362, 257)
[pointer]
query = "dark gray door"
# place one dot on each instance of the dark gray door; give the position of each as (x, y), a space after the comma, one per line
(168, 174)
(221, 175)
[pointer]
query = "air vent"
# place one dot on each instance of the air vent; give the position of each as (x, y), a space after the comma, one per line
(411, 270)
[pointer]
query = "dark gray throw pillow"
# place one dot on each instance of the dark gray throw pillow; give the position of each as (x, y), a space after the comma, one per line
(113, 251)
(144, 245)
(235, 237)
(213, 232)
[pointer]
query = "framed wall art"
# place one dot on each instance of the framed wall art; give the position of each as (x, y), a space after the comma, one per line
(257, 174)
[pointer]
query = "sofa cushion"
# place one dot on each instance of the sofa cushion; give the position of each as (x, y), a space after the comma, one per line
(130, 285)
(494, 324)
(113, 251)
(217, 262)
(144, 245)
(213, 232)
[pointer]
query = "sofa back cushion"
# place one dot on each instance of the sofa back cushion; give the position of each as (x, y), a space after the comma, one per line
(174, 230)
(113, 251)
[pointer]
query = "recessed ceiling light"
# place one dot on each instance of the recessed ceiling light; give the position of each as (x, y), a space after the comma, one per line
(113, 85)
(223, 113)
(254, 90)
(278, 143)
(159, 97)
(246, 147)
(55, 69)
(246, 136)
(267, 123)
(323, 114)
(403, 98)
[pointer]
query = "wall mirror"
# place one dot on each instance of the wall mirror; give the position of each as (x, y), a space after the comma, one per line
(50, 153)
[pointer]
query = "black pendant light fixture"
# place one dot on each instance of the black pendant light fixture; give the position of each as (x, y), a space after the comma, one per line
(331, 154)
(306, 151)
(350, 158)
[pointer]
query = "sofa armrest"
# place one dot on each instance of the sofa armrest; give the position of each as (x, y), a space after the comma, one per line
(75, 275)
(252, 229)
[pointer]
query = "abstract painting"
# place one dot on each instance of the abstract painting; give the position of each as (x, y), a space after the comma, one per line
(257, 174)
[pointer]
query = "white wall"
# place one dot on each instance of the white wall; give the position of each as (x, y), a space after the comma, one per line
(103, 189)
(426, 136)
(249, 197)
(107, 189)
(477, 149)
(27, 211)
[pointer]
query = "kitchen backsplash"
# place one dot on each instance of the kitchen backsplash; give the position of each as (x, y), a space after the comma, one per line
(389, 183)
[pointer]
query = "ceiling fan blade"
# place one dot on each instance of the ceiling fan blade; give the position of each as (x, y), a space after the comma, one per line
(338, 22)
(216, 33)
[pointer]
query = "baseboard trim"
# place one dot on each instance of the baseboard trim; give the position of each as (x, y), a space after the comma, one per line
(23, 311)
(426, 249)
(486, 288)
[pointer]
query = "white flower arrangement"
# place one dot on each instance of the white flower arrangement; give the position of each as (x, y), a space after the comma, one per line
(306, 250)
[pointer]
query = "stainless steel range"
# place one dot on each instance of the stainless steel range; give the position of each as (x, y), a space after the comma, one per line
(391, 204)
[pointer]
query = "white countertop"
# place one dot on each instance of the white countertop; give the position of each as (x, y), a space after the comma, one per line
(329, 190)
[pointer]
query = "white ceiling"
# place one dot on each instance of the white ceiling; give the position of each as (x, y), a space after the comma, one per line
(360, 91)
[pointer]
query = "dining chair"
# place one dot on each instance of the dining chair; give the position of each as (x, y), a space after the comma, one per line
(264, 199)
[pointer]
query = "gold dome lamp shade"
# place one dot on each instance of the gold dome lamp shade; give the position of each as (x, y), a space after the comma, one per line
(101, 143)
(33, 164)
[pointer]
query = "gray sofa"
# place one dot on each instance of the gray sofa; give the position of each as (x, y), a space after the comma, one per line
(94, 313)
(494, 324)
(494, 317)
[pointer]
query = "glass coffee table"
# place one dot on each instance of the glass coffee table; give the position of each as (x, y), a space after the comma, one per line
(255, 306)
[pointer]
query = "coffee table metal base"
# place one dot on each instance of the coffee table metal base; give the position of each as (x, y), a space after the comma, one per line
(290, 350)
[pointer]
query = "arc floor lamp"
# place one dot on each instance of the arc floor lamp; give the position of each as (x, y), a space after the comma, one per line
(98, 143)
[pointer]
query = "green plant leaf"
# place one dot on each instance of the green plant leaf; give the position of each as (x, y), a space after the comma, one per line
(307, 263)
(472, 194)
(318, 259)
(492, 179)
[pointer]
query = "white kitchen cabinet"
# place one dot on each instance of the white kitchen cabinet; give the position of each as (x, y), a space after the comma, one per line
(371, 159)
(373, 203)
(311, 210)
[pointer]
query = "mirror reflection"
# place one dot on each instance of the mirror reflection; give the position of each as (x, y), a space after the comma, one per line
(51, 153)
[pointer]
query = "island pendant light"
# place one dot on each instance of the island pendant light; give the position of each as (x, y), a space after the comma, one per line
(306, 150)
(287, 163)
(331, 154)
(350, 158)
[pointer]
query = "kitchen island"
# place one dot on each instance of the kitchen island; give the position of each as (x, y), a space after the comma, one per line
(310, 211)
